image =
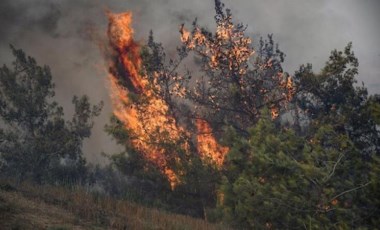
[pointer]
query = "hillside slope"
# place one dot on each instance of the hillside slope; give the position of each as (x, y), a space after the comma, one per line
(46, 207)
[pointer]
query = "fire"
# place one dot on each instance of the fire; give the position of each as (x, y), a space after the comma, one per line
(238, 53)
(208, 147)
(146, 115)
(146, 120)
(185, 34)
(291, 89)
(120, 34)
(226, 54)
(274, 112)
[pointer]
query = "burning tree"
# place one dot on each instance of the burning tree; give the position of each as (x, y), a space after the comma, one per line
(235, 84)
(174, 121)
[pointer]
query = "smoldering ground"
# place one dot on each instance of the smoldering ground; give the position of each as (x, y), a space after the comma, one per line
(60, 35)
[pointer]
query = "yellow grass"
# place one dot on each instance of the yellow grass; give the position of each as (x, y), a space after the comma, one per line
(49, 206)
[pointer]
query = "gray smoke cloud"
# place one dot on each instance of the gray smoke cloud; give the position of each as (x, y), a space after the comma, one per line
(60, 34)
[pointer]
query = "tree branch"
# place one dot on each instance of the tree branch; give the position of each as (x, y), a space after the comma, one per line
(350, 190)
(333, 170)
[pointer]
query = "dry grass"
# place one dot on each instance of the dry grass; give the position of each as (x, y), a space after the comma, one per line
(46, 206)
(23, 213)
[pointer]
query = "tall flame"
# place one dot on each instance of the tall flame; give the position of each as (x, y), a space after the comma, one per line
(148, 117)
(120, 34)
(145, 121)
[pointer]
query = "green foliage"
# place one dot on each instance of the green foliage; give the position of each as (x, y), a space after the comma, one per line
(322, 176)
(373, 193)
(36, 141)
(374, 106)
(282, 181)
(332, 97)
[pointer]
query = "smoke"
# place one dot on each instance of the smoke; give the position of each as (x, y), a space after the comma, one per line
(25, 16)
(308, 30)
(61, 34)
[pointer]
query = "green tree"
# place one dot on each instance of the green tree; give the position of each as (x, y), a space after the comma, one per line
(321, 173)
(36, 141)
(374, 106)
(278, 180)
(333, 96)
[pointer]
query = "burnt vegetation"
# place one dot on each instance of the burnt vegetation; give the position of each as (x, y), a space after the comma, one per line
(235, 139)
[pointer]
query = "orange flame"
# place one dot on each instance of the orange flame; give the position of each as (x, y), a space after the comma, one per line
(120, 35)
(145, 121)
(274, 112)
(208, 147)
(145, 114)
(238, 53)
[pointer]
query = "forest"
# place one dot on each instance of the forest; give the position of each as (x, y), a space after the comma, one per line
(218, 131)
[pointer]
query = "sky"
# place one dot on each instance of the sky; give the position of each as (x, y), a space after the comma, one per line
(62, 34)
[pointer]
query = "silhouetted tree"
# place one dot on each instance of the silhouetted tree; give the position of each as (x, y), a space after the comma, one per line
(36, 141)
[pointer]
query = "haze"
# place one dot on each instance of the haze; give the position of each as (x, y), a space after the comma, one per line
(60, 35)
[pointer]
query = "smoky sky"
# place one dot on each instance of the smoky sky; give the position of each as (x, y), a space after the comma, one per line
(60, 34)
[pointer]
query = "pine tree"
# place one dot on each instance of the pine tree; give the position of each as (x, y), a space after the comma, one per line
(277, 180)
(333, 95)
(36, 141)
